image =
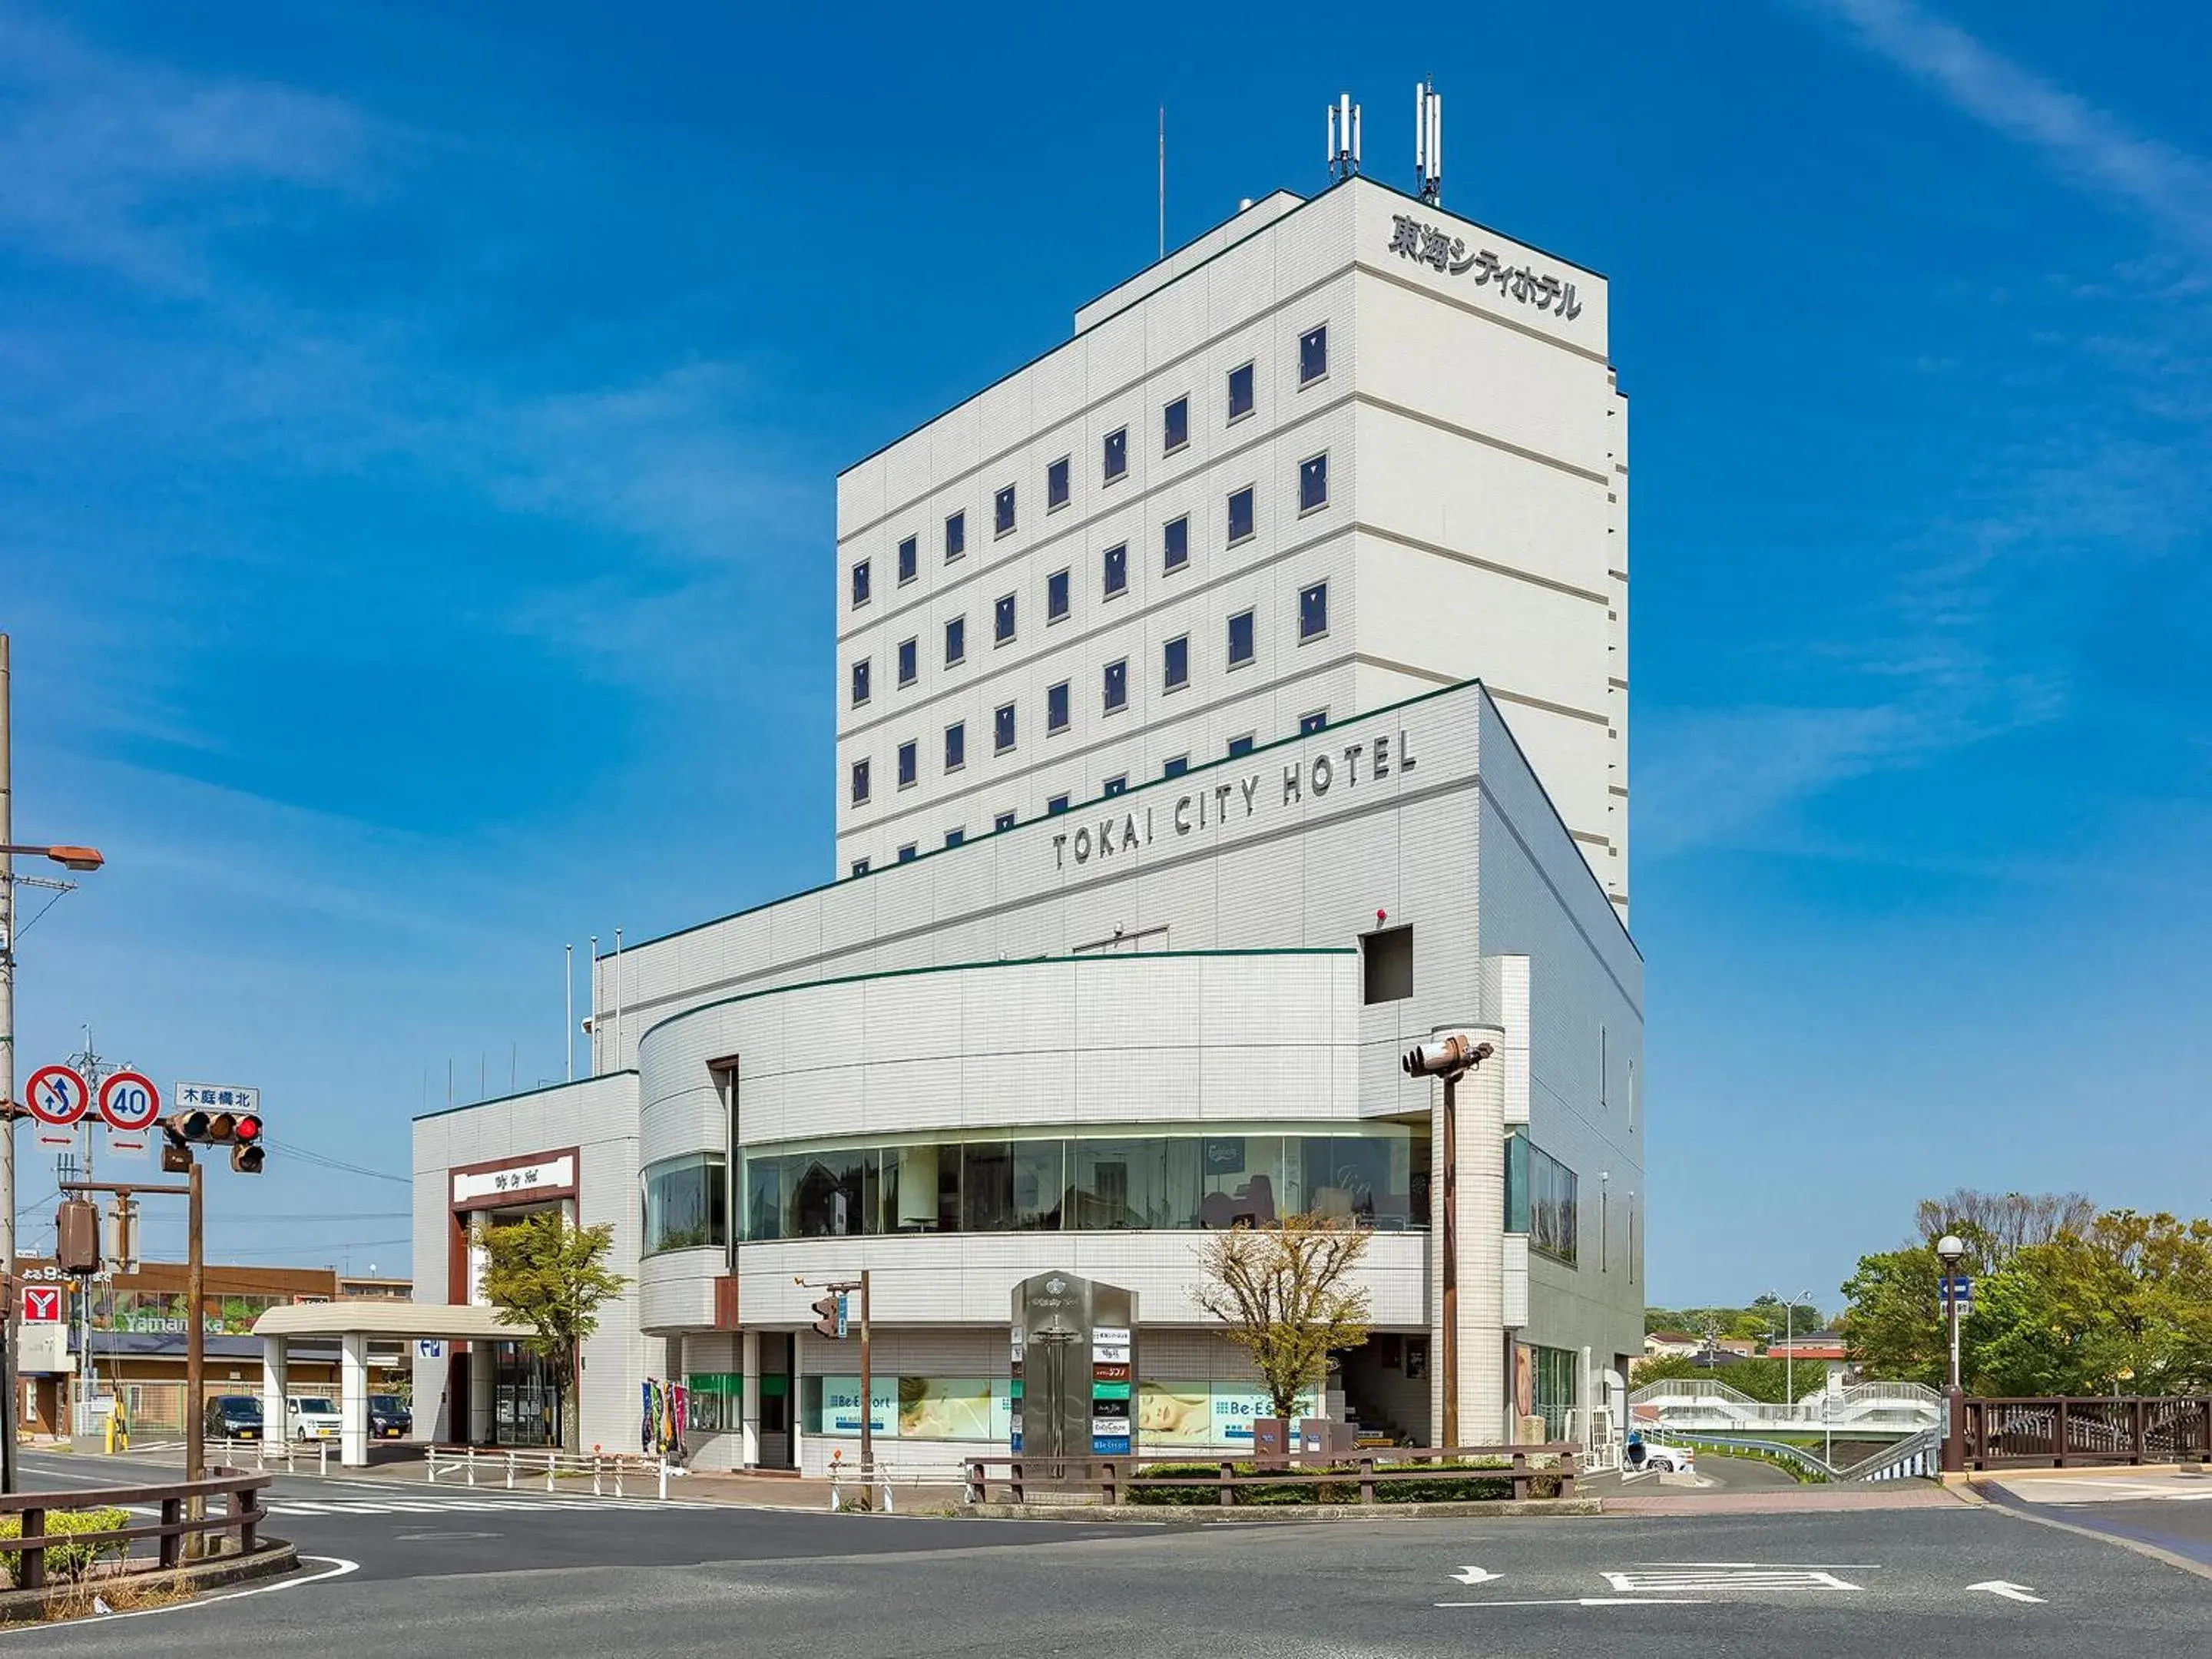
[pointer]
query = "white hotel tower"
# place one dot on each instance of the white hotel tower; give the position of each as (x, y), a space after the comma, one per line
(1231, 698)
(1331, 454)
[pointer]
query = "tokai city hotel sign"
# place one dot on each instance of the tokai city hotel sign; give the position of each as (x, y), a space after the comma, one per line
(1439, 249)
(1311, 776)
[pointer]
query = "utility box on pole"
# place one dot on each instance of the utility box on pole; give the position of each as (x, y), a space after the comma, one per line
(76, 1237)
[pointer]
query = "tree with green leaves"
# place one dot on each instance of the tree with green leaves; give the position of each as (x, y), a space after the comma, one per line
(1281, 1292)
(550, 1281)
(2066, 1301)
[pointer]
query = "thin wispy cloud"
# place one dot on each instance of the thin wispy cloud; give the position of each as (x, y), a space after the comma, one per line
(99, 153)
(2089, 146)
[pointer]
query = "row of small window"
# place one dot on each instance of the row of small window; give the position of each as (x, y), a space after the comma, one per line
(1175, 674)
(1177, 765)
(1313, 622)
(1113, 464)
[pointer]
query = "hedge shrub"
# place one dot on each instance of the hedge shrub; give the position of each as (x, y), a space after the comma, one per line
(67, 1562)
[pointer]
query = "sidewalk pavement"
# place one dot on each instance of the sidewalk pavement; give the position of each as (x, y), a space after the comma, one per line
(1790, 1500)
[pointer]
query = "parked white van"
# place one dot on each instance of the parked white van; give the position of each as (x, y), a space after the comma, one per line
(313, 1416)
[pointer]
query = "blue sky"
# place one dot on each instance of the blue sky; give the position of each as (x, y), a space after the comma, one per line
(381, 386)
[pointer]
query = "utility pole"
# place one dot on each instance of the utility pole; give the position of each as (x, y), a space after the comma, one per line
(12, 1323)
(867, 1389)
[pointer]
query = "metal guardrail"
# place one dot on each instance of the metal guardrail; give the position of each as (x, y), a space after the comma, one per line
(1113, 1480)
(1913, 1458)
(261, 1454)
(608, 1473)
(183, 1509)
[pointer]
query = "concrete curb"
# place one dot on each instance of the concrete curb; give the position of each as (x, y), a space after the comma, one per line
(274, 1556)
(1215, 1514)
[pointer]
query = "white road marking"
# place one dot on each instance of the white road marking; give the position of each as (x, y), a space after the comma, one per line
(1476, 1575)
(1687, 1579)
(2010, 1591)
(339, 1568)
(1592, 1601)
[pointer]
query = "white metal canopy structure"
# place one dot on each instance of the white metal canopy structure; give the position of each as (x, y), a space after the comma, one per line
(355, 1324)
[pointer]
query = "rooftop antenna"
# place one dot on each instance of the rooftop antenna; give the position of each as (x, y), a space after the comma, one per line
(1343, 137)
(1428, 140)
(1164, 181)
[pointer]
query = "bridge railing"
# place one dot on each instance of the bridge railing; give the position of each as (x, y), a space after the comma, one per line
(2056, 1432)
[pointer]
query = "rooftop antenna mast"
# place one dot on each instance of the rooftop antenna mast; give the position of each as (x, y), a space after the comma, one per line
(1343, 137)
(1428, 140)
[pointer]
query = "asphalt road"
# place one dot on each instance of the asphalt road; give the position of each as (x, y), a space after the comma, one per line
(524, 1577)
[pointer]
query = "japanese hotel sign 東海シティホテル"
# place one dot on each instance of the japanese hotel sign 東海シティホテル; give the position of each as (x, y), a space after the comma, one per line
(1440, 249)
(1310, 776)
(522, 1179)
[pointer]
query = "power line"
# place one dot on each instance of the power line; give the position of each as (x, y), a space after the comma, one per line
(293, 1149)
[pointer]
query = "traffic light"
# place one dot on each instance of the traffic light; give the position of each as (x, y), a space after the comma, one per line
(827, 1317)
(240, 1130)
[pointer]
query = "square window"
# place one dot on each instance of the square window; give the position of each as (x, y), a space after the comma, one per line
(1175, 543)
(1313, 484)
(1117, 785)
(905, 853)
(1055, 596)
(1240, 393)
(1240, 745)
(1002, 511)
(1004, 821)
(1310, 724)
(907, 656)
(1176, 766)
(1175, 667)
(1240, 639)
(956, 641)
(909, 765)
(1117, 685)
(1313, 612)
(1117, 570)
(956, 745)
(1313, 355)
(1055, 707)
(954, 837)
(1117, 453)
(1002, 728)
(956, 537)
(1175, 426)
(1002, 620)
(859, 682)
(907, 556)
(1055, 484)
(1240, 515)
(859, 782)
(859, 867)
(860, 583)
(1387, 959)
(1057, 804)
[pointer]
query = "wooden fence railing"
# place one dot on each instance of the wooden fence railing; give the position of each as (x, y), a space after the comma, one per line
(186, 1507)
(1111, 1481)
(2055, 1433)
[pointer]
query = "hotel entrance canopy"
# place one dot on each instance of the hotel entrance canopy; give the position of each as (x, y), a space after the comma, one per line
(356, 1325)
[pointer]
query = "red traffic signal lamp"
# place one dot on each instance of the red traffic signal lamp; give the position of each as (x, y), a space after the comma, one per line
(240, 1130)
(826, 1320)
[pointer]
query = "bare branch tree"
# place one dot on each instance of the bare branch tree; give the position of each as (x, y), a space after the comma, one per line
(1280, 1292)
(1997, 1227)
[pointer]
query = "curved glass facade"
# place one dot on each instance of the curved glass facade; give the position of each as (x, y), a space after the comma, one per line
(1376, 1173)
(686, 1203)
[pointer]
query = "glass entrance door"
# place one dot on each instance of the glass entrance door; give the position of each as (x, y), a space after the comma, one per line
(525, 1399)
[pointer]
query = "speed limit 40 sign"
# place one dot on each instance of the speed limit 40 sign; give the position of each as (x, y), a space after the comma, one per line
(130, 1103)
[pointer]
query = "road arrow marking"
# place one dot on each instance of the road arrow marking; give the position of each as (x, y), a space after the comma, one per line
(2011, 1592)
(1476, 1575)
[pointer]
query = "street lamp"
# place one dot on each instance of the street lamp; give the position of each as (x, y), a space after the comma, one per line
(1950, 1250)
(69, 858)
(1788, 1345)
(1451, 1055)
